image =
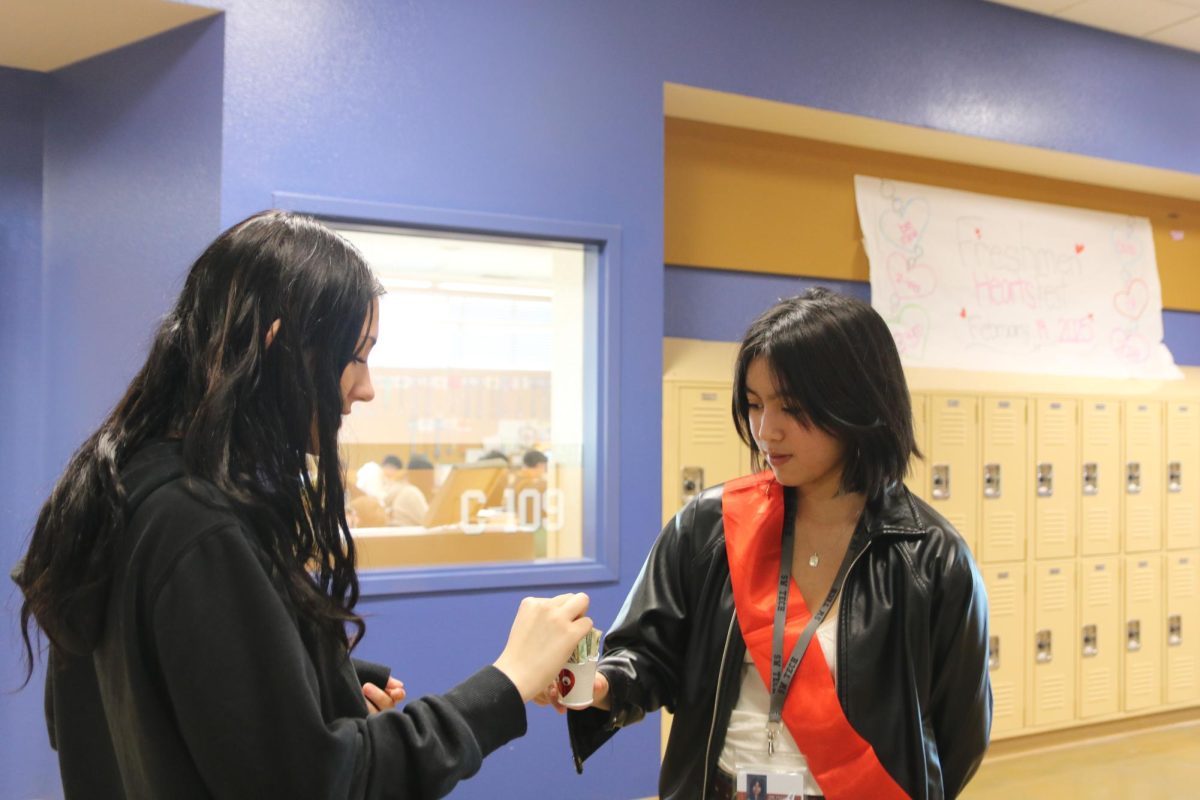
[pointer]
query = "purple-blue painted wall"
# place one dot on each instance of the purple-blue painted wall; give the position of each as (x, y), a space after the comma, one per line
(25, 771)
(120, 186)
(540, 109)
(742, 296)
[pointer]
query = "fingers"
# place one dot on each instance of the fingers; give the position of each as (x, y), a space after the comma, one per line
(377, 699)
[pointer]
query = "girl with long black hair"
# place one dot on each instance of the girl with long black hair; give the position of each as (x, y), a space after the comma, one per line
(196, 579)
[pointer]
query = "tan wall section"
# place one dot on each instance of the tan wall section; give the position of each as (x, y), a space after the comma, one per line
(762, 202)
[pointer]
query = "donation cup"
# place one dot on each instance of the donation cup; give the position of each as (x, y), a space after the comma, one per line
(578, 676)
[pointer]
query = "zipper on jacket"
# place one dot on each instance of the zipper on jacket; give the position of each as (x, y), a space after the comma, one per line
(717, 703)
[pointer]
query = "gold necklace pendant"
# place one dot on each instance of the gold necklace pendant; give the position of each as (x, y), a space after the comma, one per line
(814, 560)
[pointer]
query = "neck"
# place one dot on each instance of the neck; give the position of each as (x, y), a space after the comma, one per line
(836, 511)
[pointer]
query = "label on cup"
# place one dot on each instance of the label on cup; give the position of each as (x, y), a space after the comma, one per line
(578, 676)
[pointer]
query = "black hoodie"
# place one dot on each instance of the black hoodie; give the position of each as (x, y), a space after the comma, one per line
(193, 678)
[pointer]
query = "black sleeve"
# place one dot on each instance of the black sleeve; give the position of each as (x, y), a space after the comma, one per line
(961, 694)
(370, 672)
(247, 698)
(644, 647)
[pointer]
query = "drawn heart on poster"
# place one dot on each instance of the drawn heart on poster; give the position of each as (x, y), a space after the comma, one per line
(566, 682)
(910, 280)
(1132, 300)
(903, 224)
(1129, 345)
(910, 329)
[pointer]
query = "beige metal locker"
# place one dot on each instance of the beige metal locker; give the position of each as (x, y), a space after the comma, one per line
(1004, 451)
(1053, 643)
(1055, 494)
(954, 462)
(707, 448)
(1099, 640)
(1006, 653)
(1142, 476)
(1182, 678)
(917, 480)
(1144, 636)
(1100, 477)
(1183, 475)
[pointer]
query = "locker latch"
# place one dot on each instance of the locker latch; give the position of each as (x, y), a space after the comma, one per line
(993, 653)
(1133, 635)
(940, 475)
(1089, 641)
(991, 480)
(1133, 477)
(1175, 630)
(1174, 476)
(692, 483)
(1045, 479)
(1091, 478)
(1045, 647)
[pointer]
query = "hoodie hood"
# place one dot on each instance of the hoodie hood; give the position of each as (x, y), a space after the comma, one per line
(81, 625)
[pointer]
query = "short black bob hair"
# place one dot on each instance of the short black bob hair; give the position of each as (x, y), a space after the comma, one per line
(833, 358)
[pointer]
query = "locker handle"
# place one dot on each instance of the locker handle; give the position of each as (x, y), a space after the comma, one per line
(940, 475)
(1133, 477)
(991, 481)
(1133, 636)
(1174, 476)
(1045, 479)
(1175, 630)
(691, 483)
(1091, 478)
(993, 653)
(1045, 646)
(1090, 649)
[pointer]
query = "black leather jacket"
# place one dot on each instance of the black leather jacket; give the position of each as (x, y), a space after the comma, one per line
(912, 661)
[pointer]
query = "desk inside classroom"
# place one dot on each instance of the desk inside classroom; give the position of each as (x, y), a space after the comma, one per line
(414, 546)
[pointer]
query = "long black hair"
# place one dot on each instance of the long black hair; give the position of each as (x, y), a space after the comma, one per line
(834, 359)
(248, 413)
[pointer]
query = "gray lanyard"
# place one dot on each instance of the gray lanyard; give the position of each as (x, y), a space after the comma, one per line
(781, 676)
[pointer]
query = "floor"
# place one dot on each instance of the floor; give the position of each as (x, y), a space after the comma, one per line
(1163, 763)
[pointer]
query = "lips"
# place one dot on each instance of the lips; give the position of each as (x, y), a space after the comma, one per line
(778, 459)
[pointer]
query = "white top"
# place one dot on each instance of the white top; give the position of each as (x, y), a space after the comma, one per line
(746, 739)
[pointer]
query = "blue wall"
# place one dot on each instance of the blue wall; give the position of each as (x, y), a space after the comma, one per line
(542, 109)
(22, 115)
(742, 296)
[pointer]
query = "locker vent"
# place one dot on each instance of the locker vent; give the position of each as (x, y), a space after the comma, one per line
(1054, 594)
(1003, 530)
(1141, 678)
(1182, 675)
(1003, 599)
(1052, 527)
(1004, 429)
(1182, 517)
(1053, 695)
(1056, 430)
(1099, 686)
(1004, 696)
(1142, 588)
(708, 424)
(1099, 591)
(954, 429)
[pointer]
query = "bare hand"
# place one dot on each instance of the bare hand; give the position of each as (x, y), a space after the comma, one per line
(382, 699)
(550, 697)
(543, 634)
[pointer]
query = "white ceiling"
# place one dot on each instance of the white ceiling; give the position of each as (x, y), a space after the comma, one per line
(45, 35)
(1170, 22)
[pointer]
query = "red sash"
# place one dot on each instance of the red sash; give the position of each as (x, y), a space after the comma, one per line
(842, 762)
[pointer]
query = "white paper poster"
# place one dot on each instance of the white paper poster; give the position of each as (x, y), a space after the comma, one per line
(970, 281)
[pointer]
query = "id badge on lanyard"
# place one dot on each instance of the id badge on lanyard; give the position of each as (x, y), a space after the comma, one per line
(759, 782)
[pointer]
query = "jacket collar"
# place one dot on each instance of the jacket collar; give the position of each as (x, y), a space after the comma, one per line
(894, 513)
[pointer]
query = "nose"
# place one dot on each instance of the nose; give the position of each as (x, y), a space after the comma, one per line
(768, 429)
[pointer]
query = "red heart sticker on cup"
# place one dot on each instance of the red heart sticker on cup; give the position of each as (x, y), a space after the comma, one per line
(566, 682)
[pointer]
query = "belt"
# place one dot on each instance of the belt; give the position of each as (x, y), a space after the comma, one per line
(724, 787)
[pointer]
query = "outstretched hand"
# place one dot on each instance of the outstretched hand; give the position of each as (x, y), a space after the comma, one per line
(549, 696)
(543, 634)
